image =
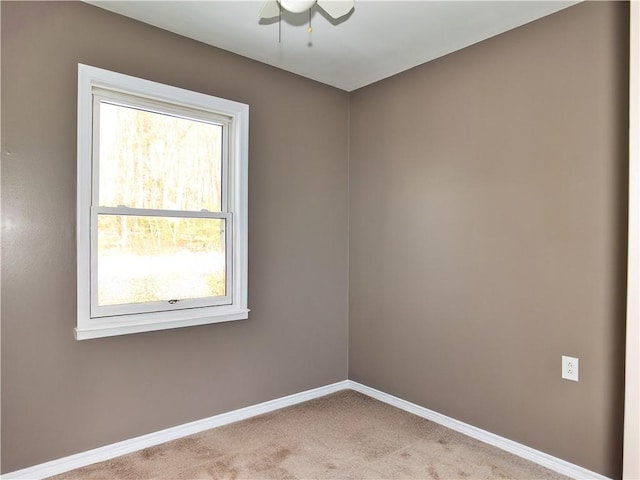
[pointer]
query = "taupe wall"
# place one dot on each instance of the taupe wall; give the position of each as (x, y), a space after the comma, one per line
(60, 396)
(487, 238)
(487, 233)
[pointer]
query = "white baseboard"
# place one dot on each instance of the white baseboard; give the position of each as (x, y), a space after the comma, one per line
(108, 452)
(536, 456)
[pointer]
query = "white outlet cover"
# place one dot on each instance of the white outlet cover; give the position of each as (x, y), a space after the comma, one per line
(570, 368)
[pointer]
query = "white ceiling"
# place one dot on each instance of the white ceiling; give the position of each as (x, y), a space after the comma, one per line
(379, 39)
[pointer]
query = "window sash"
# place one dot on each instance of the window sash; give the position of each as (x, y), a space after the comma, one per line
(100, 95)
(159, 306)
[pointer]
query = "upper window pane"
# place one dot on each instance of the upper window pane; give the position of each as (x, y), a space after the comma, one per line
(158, 161)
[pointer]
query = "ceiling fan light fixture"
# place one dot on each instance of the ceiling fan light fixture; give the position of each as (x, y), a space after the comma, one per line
(297, 6)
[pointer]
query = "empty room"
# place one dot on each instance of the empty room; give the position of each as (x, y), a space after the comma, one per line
(320, 239)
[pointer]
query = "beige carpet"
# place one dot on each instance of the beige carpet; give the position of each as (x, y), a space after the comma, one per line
(341, 436)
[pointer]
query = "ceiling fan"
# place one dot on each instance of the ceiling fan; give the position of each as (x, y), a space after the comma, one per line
(334, 8)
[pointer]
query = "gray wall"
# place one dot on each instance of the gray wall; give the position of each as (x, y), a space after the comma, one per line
(487, 233)
(60, 396)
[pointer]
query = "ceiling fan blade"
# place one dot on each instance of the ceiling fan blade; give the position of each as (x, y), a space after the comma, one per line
(336, 8)
(270, 9)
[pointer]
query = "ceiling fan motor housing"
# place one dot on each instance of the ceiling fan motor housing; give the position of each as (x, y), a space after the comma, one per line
(297, 6)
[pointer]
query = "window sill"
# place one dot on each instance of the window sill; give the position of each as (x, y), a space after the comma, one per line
(100, 328)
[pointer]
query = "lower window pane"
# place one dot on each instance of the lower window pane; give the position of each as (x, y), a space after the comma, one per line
(159, 259)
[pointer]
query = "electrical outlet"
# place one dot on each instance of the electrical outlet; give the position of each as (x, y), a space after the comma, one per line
(570, 368)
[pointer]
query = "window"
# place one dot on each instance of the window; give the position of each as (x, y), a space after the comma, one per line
(162, 206)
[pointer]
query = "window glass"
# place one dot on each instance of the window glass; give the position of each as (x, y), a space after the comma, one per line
(160, 259)
(159, 161)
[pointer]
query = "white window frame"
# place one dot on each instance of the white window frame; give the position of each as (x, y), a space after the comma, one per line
(96, 85)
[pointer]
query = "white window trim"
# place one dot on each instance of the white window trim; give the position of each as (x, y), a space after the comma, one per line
(103, 326)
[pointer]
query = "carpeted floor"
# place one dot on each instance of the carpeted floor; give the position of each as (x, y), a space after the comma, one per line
(342, 436)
